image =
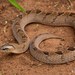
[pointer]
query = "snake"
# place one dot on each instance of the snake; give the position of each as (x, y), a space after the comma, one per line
(51, 19)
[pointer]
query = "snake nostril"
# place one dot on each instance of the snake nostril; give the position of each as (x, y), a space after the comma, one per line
(71, 48)
(46, 53)
(59, 52)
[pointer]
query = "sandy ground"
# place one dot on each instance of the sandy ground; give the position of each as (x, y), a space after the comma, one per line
(25, 64)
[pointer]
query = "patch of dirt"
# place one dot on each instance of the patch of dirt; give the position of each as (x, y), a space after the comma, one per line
(25, 64)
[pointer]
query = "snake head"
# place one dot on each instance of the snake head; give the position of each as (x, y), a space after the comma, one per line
(6, 48)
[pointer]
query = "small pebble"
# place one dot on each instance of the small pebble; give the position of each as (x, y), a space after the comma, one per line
(6, 22)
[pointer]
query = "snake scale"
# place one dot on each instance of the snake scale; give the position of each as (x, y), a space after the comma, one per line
(50, 19)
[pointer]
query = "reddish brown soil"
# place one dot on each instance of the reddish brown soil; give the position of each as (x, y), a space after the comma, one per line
(25, 64)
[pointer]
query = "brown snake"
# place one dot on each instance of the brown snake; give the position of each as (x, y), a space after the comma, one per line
(58, 19)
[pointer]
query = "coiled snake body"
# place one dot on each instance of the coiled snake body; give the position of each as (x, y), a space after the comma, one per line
(49, 19)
